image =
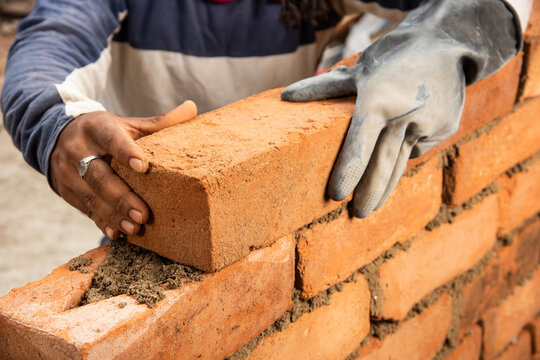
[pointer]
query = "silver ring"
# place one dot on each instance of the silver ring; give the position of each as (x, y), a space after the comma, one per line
(84, 164)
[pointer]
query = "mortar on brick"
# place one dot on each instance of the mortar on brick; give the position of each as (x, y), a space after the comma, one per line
(299, 307)
(523, 77)
(523, 166)
(447, 214)
(141, 273)
(80, 263)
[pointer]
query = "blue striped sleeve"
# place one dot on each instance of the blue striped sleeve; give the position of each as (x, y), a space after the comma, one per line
(58, 37)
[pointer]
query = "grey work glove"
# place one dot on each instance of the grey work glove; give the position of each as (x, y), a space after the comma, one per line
(410, 88)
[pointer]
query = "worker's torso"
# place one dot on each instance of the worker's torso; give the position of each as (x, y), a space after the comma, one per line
(214, 53)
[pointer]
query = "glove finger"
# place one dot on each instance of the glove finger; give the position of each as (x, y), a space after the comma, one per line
(355, 154)
(375, 180)
(401, 165)
(336, 83)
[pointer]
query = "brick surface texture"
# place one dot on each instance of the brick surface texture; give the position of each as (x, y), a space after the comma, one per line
(329, 252)
(531, 76)
(520, 350)
(481, 160)
(206, 320)
(509, 265)
(436, 257)
(419, 338)
(504, 322)
(519, 197)
(329, 332)
(470, 348)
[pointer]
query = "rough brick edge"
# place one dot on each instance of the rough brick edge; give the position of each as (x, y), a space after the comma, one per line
(61, 328)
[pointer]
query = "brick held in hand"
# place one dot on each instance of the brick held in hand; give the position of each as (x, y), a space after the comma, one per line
(239, 177)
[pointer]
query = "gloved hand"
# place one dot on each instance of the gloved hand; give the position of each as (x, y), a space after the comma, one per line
(410, 88)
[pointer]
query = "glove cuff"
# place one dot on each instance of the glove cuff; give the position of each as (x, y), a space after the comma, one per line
(483, 34)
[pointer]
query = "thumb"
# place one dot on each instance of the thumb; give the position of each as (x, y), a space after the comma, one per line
(180, 114)
(336, 83)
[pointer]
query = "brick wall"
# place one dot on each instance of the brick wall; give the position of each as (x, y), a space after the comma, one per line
(447, 269)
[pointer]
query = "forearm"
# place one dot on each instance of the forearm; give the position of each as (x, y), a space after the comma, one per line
(58, 38)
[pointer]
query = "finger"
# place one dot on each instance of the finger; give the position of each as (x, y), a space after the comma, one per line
(371, 187)
(105, 183)
(98, 209)
(401, 165)
(180, 114)
(336, 83)
(112, 139)
(355, 154)
(423, 146)
(74, 200)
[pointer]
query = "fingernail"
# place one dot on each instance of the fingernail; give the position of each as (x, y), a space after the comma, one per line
(136, 215)
(109, 231)
(127, 226)
(136, 164)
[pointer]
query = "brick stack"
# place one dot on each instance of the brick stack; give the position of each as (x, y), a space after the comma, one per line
(448, 268)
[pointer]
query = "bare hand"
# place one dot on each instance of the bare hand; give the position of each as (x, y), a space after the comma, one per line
(102, 195)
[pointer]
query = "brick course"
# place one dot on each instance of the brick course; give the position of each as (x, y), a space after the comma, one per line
(484, 158)
(206, 320)
(519, 196)
(504, 322)
(436, 257)
(418, 338)
(330, 251)
(509, 265)
(520, 350)
(329, 332)
(470, 348)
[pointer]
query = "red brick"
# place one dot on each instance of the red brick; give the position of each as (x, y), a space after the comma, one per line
(530, 86)
(535, 329)
(470, 347)
(208, 319)
(520, 350)
(482, 160)
(416, 339)
(329, 332)
(434, 258)
(518, 197)
(242, 176)
(531, 77)
(504, 322)
(533, 28)
(505, 268)
(329, 252)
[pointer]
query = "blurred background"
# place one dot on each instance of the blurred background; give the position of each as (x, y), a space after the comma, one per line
(38, 230)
